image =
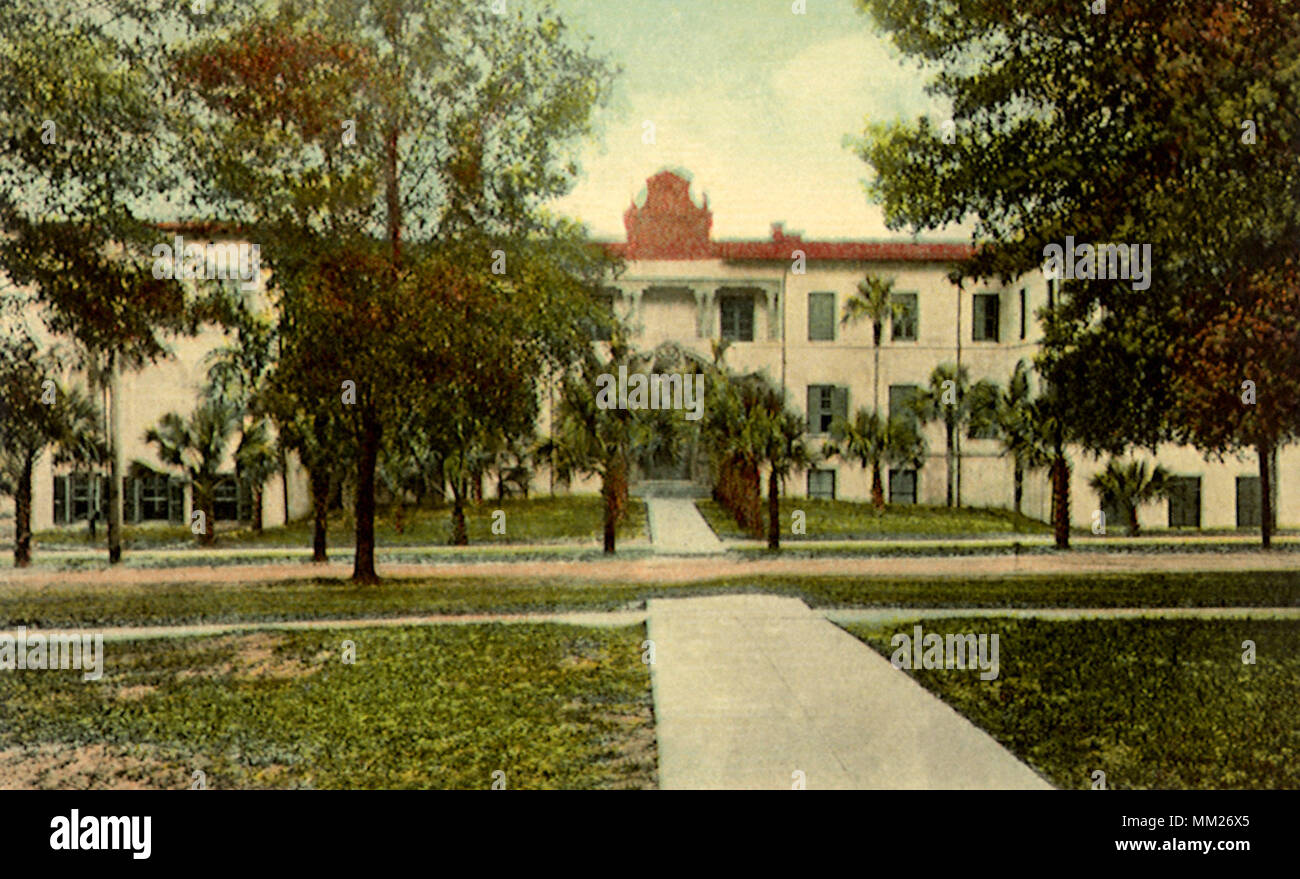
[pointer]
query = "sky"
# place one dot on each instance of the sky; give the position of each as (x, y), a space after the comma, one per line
(751, 98)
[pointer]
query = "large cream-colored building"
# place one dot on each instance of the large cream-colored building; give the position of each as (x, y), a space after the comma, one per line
(779, 302)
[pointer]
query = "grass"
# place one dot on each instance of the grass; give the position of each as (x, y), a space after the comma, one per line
(1153, 703)
(188, 604)
(850, 520)
(535, 520)
(422, 707)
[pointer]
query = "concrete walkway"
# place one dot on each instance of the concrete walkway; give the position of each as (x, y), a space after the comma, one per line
(677, 528)
(750, 690)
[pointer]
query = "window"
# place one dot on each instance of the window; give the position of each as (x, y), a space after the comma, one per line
(737, 318)
(1250, 510)
(77, 495)
(905, 320)
(1185, 502)
(1024, 306)
(902, 486)
(225, 500)
(825, 403)
(900, 400)
(821, 484)
(154, 496)
(821, 317)
(985, 318)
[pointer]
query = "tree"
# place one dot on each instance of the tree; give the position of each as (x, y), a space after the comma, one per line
(403, 147)
(874, 301)
(239, 373)
(1235, 379)
(1171, 125)
(1130, 485)
(786, 449)
(1008, 415)
(591, 436)
(84, 155)
(870, 441)
(38, 413)
(197, 447)
(948, 398)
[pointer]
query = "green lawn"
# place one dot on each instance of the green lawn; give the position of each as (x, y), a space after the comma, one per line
(1152, 703)
(829, 520)
(536, 520)
(180, 604)
(423, 707)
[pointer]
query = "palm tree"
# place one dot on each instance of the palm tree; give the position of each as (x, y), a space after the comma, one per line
(948, 398)
(786, 450)
(1130, 485)
(29, 425)
(737, 432)
(1008, 415)
(604, 442)
(874, 301)
(870, 441)
(197, 447)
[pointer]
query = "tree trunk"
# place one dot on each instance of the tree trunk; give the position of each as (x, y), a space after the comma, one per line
(1060, 472)
(114, 462)
(1265, 495)
(1019, 492)
(23, 514)
(948, 434)
(363, 565)
(877, 487)
(956, 437)
(320, 504)
(773, 510)
(459, 530)
(284, 482)
(1132, 525)
(613, 490)
(875, 378)
(209, 535)
(257, 508)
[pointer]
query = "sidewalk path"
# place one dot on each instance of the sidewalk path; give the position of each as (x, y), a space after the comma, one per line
(666, 569)
(677, 528)
(751, 689)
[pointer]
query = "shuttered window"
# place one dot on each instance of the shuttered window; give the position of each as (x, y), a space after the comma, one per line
(902, 486)
(1185, 502)
(985, 317)
(906, 318)
(737, 314)
(825, 404)
(900, 400)
(1250, 512)
(821, 317)
(821, 484)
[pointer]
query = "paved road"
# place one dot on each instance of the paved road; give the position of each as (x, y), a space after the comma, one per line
(759, 692)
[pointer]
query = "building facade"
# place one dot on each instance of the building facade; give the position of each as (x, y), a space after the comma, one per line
(778, 302)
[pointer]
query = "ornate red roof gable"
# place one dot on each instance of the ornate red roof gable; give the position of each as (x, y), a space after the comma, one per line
(670, 226)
